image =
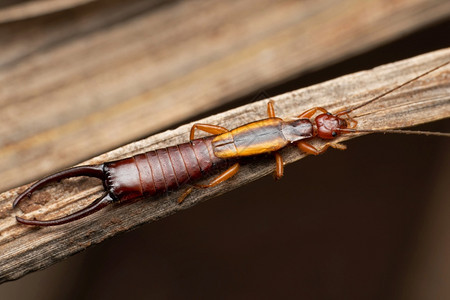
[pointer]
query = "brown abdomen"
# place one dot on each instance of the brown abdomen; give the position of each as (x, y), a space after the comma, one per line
(160, 170)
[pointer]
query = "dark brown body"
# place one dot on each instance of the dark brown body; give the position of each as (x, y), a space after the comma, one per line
(166, 169)
(161, 170)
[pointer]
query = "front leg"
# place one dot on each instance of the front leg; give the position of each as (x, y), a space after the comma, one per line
(310, 149)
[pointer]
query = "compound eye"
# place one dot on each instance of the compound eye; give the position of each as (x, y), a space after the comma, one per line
(334, 134)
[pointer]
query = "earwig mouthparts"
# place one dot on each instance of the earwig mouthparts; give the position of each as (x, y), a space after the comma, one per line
(90, 171)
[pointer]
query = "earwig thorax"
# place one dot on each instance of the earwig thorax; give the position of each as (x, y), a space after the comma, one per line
(297, 129)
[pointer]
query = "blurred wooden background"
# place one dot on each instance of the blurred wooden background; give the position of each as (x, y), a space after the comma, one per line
(78, 78)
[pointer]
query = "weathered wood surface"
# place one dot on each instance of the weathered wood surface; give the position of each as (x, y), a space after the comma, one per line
(24, 249)
(78, 78)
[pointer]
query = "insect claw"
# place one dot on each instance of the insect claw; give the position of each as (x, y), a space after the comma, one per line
(91, 171)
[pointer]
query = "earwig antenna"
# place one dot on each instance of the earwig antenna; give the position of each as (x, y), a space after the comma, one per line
(350, 130)
(390, 91)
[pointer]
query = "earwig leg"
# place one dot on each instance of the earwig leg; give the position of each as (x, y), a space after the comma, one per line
(280, 166)
(270, 109)
(310, 112)
(185, 194)
(310, 149)
(345, 112)
(227, 174)
(213, 129)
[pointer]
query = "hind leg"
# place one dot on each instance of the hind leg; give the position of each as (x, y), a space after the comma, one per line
(225, 175)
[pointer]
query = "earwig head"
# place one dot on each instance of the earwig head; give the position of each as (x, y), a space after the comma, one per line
(329, 126)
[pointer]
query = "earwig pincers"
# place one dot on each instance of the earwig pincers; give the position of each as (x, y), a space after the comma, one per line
(90, 171)
(158, 171)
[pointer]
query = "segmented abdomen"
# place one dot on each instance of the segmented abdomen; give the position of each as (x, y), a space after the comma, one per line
(160, 170)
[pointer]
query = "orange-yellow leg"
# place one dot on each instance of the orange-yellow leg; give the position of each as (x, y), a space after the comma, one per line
(310, 149)
(185, 194)
(352, 121)
(225, 175)
(278, 158)
(280, 166)
(310, 112)
(213, 129)
(270, 109)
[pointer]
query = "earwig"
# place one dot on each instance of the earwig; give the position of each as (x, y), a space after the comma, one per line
(158, 171)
